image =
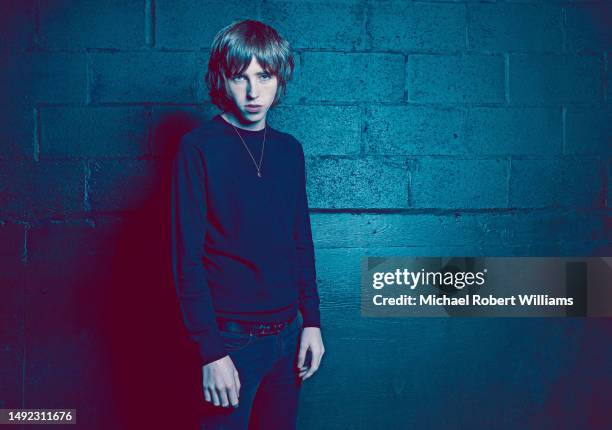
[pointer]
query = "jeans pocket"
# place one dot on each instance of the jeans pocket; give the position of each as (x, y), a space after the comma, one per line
(235, 341)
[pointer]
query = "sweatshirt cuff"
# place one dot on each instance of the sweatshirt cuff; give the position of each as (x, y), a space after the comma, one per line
(310, 314)
(210, 348)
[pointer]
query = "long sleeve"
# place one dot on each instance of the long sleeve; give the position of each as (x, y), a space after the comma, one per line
(188, 227)
(309, 296)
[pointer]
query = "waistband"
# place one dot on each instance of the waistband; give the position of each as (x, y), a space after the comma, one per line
(276, 315)
(254, 328)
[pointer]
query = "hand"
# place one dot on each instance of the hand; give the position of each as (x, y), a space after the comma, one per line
(221, 382)
(310, 340)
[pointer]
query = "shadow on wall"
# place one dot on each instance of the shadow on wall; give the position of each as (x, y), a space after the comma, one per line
(154, 377)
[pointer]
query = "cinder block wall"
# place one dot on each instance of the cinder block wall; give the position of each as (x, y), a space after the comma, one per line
(430, 128)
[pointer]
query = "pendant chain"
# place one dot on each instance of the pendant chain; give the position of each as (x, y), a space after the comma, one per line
(263, 145)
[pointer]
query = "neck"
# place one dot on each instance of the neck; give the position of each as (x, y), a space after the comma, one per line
(251, 125)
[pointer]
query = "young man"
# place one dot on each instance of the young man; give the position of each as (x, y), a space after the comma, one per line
(242, 252)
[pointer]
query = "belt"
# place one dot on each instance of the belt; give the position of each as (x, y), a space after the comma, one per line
(255, 328)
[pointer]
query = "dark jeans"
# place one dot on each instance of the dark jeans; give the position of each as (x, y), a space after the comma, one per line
(269, 378)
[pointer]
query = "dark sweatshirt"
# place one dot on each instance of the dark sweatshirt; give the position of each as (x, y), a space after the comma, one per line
(241, 245)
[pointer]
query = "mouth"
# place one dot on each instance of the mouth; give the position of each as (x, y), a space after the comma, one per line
(253, 108)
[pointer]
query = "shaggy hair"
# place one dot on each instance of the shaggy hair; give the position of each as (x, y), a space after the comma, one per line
(232, 50)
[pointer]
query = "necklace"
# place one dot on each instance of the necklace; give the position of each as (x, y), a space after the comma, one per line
(263, 145)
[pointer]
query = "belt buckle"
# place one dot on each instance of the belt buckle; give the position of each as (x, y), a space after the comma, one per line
(267, 329)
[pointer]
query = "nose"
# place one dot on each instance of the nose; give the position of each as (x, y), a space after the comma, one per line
(252, 90)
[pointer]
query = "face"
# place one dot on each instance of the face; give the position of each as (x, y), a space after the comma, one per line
(252, 92)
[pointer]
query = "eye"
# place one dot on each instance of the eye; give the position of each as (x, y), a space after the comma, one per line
(237, 77)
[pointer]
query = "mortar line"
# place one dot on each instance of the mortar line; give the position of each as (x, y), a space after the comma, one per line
(36, 38)
(361, 126)
(405, 98)
(467, 27)
(87, 173)
(36, 137)
(606, 83)
(366, 42)
(88, 77)
(508, 175)
(149, 16)
(563, 129)
(563, 30)
(507, 77)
